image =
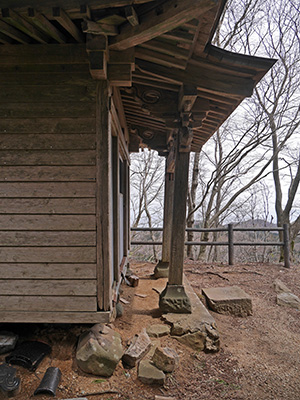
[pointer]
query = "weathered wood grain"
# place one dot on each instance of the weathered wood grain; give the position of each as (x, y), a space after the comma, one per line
(48, 206)
(48, 110)
(47, 303)
(55, 317)
(103, 197)
(50, 222)
(54, 54)
(45, 93)
(47, 271)
(48, 255)
(47, 189)
(44, 141)
(29, 287)
(45, 157)
(46, 238)
(48, 125)
(46, 174)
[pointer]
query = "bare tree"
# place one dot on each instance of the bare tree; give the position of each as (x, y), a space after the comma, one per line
(257, 140)
(147, 179)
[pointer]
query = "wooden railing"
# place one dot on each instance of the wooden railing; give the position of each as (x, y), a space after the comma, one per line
(230, 242)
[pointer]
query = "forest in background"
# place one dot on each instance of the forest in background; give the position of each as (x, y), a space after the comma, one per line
(249, 171)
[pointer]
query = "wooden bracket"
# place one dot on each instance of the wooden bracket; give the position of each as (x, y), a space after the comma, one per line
(121, 65)
(96, 47)
(185, 139)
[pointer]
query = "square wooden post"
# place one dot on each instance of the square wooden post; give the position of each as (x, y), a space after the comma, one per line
(162, 268)
(103, 197)
(173, 298)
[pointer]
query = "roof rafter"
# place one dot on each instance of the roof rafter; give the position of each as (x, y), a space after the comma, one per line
(171, 15)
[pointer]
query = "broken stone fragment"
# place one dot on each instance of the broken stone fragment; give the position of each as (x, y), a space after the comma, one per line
(165, 359)
(158, 330)
(139, 346)
(195, 340)
(229, 300)
(149, 374)
(8, 341)
(99, 350)
(133, 279)
(280, 287)
(288, 300)
(164, 398)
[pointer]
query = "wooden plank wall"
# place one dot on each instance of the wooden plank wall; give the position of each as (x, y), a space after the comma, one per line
(47, 194)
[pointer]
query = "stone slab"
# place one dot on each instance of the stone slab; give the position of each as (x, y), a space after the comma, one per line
(288, 300)
(148, 373)
(140, 345)
(190, 328)
(164, 398)
(229, 300)
(158, 330)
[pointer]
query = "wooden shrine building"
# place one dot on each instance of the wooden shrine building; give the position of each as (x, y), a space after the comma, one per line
(82, 84)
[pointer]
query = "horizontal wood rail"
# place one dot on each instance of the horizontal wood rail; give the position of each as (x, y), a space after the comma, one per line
(230, 243)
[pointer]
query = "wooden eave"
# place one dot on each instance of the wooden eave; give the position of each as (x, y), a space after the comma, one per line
(150, 51)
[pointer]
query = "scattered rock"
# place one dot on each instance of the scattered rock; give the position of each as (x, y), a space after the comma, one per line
(139, 346)
(229, 300)
(195, 340)
(165, 359)
(164, 398)
(132, 279)
(280, 287)
(149, 374)
(99, 350)
(288, 300)
(158, 330)
(119, 310)
(8, 341)
(197, 330)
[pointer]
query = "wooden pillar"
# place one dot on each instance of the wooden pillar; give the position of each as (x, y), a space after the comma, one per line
(174, 298)
(103, 197)
(116, 205)
(162, 268)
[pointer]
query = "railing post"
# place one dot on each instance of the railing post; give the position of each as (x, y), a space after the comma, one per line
(230, 245)
(286, 246)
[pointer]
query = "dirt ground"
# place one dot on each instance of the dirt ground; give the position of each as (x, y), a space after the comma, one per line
(259, 357)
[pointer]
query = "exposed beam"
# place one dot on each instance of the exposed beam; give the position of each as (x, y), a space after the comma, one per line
(20, 23)
(5, 39)
(187, 98)
(159, 58)
(97, 28)
(42, 23)
(166, 48)
(70, 4)
(131, 16)
(172, 14)
(13, 33)
(65, 21)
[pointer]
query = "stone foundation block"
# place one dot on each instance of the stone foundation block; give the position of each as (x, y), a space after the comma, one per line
(229, 300)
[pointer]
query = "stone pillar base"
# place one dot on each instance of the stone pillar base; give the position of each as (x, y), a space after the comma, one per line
(173, 299)
(161, 270)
